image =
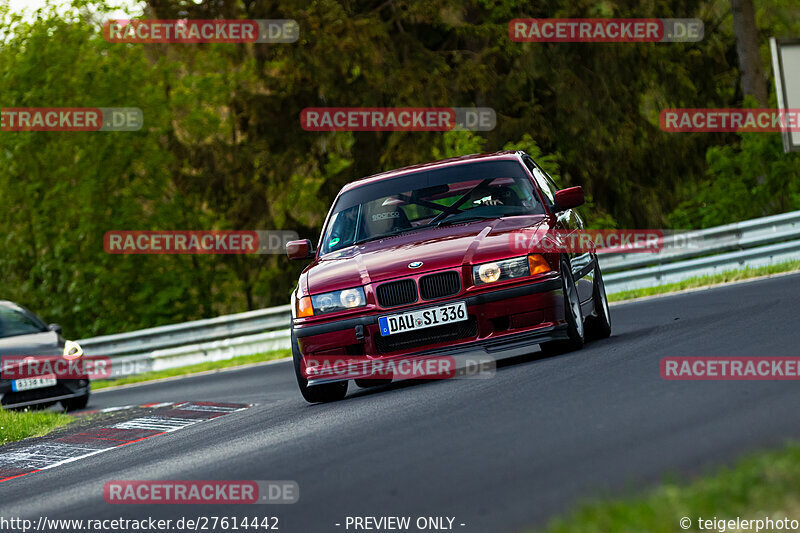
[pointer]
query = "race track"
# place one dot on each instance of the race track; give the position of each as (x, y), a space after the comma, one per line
(499, 454)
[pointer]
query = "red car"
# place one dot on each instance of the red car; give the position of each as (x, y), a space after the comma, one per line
(423, 261)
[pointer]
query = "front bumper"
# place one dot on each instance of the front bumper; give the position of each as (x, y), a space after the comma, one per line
(504, 347)
(64, 389)
(504, 322)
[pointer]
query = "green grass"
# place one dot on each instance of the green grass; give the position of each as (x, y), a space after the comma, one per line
(702, 281)
(18, 425)
(765, 484)
(193, 369)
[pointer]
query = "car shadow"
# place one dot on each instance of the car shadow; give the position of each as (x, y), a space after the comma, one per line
(533, 357)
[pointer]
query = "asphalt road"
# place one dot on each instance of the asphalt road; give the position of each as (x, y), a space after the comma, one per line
(499, 454)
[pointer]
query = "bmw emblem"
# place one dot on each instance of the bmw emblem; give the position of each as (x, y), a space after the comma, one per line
(415, 264)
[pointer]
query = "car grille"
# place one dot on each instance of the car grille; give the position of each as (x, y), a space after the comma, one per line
(439, 285)
(427, 336)
(397, 293)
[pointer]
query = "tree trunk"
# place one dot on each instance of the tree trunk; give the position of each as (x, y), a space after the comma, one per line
(752, 73)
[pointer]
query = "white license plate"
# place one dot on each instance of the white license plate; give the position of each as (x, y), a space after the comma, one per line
(33, 383)
(424, 318)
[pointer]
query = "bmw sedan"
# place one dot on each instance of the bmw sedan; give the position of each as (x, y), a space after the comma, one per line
(427, 260)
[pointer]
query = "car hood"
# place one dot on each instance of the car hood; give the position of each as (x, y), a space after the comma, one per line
(436, 248)
(44, 343)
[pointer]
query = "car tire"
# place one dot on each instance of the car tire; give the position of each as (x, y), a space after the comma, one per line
(573, 316)
(73, 404)
(328, 392)
(599, 324)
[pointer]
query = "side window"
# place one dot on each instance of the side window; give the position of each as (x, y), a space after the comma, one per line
(14, 322)
(341, 230)
(552, 183)
(544, 182)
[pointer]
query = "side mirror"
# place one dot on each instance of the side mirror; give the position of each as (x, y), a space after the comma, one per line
(299, 249)
(569, 198)
(55, 327)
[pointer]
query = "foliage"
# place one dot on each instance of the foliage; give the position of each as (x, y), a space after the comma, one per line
(222, 146)
(754, 179)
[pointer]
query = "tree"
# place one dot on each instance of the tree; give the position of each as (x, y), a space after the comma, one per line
(222, 146)
(747, 48)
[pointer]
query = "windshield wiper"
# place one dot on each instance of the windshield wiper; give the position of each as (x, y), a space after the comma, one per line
(390, 234)
(445, 222)
(459, 220)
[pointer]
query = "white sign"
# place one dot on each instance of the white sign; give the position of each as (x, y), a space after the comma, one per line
(786, 65)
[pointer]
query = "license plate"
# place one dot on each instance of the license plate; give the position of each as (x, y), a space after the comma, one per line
(424, 318)
(32, 383)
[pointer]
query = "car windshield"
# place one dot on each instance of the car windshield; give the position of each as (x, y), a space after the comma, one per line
(16, 322)
(430, 198)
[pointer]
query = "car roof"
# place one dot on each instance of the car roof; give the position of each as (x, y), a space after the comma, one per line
(496, 156)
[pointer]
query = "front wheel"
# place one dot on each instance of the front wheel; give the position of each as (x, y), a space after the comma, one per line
(573, 316)
(73, 404)
(328, 392)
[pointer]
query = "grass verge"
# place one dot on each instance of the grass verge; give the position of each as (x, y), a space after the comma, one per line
(702, 281)
(193, 369)
(18, 425)
(759, 486)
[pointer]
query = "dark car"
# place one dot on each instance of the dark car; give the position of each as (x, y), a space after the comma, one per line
(422, 261)
(23, 335)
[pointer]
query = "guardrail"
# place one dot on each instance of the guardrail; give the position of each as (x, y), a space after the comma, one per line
(751, 243)
(198, 331)
(189, 343)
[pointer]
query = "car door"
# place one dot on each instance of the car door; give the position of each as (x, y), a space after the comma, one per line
(581, 262)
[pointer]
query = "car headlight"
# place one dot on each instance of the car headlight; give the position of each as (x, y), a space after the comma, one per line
(488, 273)
(339, 300)
(517, 267)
